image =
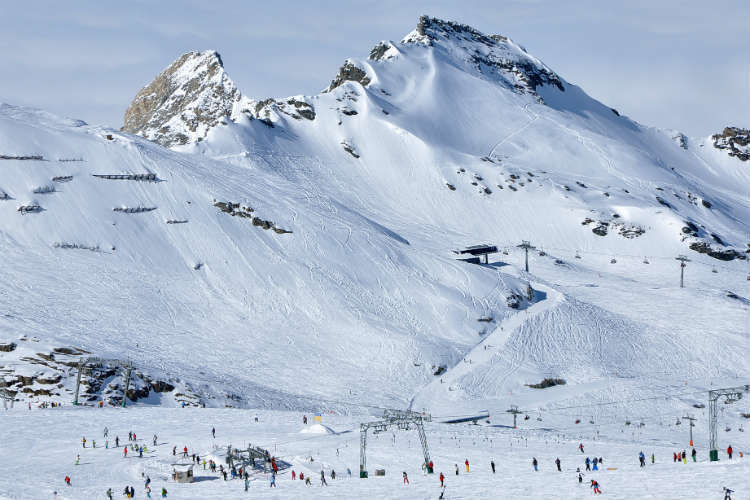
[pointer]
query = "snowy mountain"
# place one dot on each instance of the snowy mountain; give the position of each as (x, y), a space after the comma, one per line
(297, 252)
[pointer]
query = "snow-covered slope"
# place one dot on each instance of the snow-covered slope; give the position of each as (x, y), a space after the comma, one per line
(445, 139)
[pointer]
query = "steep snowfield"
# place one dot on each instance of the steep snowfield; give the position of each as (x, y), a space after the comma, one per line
(448, 138)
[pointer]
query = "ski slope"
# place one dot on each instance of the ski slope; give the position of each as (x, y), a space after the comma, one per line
(332, 284)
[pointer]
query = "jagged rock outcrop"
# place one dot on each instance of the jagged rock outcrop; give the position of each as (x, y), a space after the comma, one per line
(735, 140)
(184, 101)
(349, 72)
(495, 56)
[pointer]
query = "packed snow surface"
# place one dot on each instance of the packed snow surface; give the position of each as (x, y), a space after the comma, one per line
(298, 256)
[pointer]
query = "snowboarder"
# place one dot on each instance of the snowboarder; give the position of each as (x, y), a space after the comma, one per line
(557, 462)
(406, 478)
(323, 478)
(442, 480)
(492, 465)
(466, 463)
(694, 454)
(580, 447)
(535, 464)
(729, 452)
(595, 485)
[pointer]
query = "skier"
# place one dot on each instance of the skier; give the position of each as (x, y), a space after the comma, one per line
(442, 480)
(109, 493)
(557, 462)
(406, 478)
(117, 441)
(125, 452)
(78, 459)
(694, 453)
(323, 478)
(466, 463)
(333, 474)
(247, 482)
(492, 465)
(154, 439)
(174, 451)
(674, 457)
(442, 491)
(213, 432)
(580, 447)
(595, 485)
(184, 452)
(684, 457)
(729, 452)
(642, 459)
(588, 463)
(148, 491)
(140, 452)
(294, 475)
(273, 480)
(595, 464)
(580, 475)
(83, 441)
(727, 493)
(67, 480)
(164, 492)
(130, 435)
(93, 443)
(457, 469)
(349, 472)
(652, 459)
(304, 419)
(535, 464)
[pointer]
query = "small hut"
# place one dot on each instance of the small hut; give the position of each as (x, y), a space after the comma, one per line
(183, 473)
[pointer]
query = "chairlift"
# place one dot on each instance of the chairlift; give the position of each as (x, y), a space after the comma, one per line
(542, 253)
(505, 251)
(713, 270)
(645, 260)
(678, 422)
(578, 256)
(526, 417)
(613, 261)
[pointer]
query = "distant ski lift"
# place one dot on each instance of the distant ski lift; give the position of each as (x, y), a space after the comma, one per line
(613, 261)
(645, 260)
(542, 253)
(477, 251)
(677, 422)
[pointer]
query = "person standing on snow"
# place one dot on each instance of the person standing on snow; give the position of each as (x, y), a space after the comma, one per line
(729, 452)
(595, 485)
(535, 464)
(492, 466)
(213, 432)
(727, 493)
(693, 454)
(125, 452)
(642, 459)
(83, 441)
(580, 475)
(457, 469)
(442, 480)
(595, 464)
(580, 447)
(557, 462)
(406, 478)
(323, 478)
(466, 463)
(588, 463)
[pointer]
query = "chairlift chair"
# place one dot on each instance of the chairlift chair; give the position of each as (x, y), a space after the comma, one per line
(713, 270)
(613, 261)
(578, 256)
(645, 260)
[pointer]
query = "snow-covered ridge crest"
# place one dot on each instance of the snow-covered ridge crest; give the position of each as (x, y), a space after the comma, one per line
(491, 55)
(185, 100)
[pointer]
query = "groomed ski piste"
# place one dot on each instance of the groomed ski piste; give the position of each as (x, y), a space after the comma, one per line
(283, 266)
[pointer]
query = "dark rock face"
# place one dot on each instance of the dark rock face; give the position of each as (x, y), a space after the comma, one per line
(349, 73)
(11, 346)
(720, 254)
(736, 141)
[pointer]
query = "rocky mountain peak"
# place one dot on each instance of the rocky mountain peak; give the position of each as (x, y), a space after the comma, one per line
(735, 141)
(184, 101)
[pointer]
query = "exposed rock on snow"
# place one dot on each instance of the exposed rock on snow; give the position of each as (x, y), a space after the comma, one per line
(735, 140)
(349, 72)
(184, 101)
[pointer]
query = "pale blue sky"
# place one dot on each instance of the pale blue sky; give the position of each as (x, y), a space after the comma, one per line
(667, 63)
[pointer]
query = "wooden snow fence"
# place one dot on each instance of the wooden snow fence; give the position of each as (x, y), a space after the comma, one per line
(127, 177)
(133, 210)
